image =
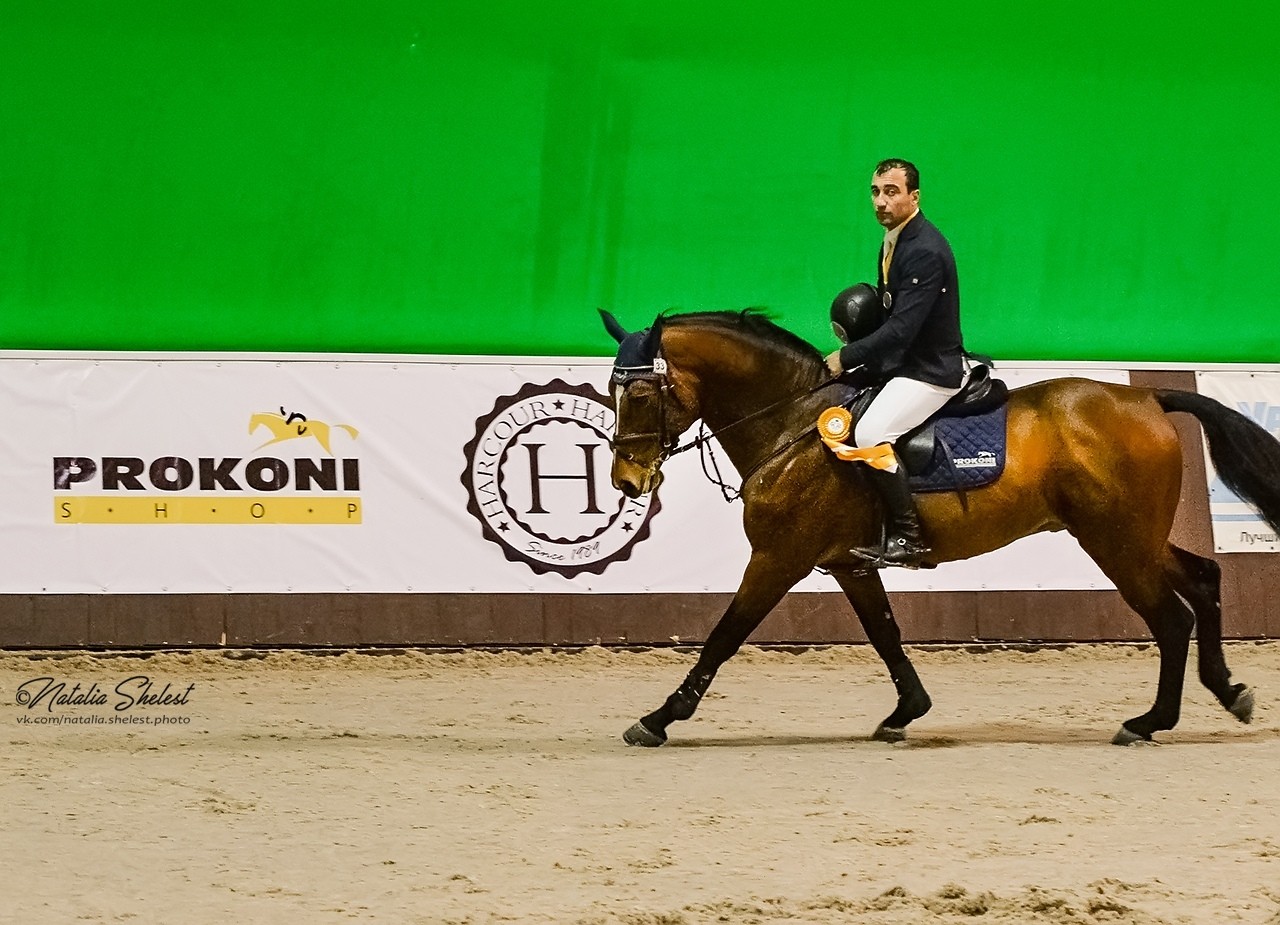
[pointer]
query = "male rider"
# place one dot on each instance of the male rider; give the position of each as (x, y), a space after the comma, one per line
(917, 351)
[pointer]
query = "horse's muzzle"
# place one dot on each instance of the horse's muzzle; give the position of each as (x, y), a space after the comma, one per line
(637, 481)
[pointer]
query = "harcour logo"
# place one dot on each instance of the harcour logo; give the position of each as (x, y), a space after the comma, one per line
(537, 480)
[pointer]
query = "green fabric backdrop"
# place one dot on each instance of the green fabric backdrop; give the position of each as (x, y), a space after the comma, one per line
(458, 177)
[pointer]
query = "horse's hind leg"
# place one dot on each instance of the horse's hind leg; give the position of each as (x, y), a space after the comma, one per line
(1144, 581)
(1117, 494)
(1148, 590)
(867, 595)
(1199, 581)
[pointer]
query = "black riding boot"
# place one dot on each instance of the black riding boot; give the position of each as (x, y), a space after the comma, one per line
(902, 542)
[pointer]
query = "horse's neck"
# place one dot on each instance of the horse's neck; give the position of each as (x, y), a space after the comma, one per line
(746, 395)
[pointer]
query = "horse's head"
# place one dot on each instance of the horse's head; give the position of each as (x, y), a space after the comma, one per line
(650, 415)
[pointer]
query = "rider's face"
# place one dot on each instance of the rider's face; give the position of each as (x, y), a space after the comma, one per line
(893, 204)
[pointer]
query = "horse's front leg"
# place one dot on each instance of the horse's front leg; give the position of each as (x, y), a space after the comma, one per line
(766, 580)
(866, 593)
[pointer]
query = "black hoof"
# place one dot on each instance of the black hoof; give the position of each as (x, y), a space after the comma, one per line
(640, 734)
(1127, 737)
(885, 733)
(1242, 707)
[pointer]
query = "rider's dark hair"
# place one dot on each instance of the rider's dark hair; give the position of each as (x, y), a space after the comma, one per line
(913, 175)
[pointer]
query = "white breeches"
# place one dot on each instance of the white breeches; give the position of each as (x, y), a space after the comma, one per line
(901, 405)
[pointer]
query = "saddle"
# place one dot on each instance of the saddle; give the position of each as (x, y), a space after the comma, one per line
(962, 444)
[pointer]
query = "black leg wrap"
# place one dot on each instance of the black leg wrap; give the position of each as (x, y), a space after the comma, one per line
(913, 701)
(905, 679)
(688, 695)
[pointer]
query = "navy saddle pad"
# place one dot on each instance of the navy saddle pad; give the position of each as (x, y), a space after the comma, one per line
(961, 453)
(959, 448)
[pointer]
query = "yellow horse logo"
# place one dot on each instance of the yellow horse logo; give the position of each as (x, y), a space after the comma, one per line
(295, 425)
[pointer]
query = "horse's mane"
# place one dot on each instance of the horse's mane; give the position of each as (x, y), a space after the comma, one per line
(754, 322)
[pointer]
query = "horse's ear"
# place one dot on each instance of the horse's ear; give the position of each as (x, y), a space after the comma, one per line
(611, 325)
(653, 339)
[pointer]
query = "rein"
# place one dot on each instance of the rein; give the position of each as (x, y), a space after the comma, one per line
(702, 441)
(727, 492)
(703, 438)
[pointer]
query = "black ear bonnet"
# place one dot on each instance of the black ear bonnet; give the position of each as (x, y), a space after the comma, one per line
(637, 351)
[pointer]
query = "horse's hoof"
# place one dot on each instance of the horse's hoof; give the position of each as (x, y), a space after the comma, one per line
(1127, 737)
(1242, 707)
(640, 734)
(885, 733)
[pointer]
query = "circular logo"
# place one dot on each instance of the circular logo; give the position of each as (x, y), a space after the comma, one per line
(537, 479)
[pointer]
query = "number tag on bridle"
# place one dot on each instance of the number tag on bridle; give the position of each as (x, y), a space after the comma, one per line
(660, 366)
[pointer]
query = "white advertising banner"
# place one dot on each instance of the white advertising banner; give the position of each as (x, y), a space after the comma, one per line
(1236, 526)
(418, 475)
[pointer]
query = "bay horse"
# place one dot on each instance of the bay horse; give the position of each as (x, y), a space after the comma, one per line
(1101, 461)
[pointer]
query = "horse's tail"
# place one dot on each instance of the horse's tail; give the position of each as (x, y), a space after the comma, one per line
(1246, 456)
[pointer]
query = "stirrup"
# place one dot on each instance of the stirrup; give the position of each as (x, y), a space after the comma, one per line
(909, 554)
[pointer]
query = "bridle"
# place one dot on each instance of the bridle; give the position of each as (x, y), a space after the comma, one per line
(669, 444)
(654, 372)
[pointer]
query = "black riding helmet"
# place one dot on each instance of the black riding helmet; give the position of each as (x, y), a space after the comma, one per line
(856, 312)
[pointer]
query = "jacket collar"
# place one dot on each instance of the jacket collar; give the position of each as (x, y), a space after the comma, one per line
(911, 227)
